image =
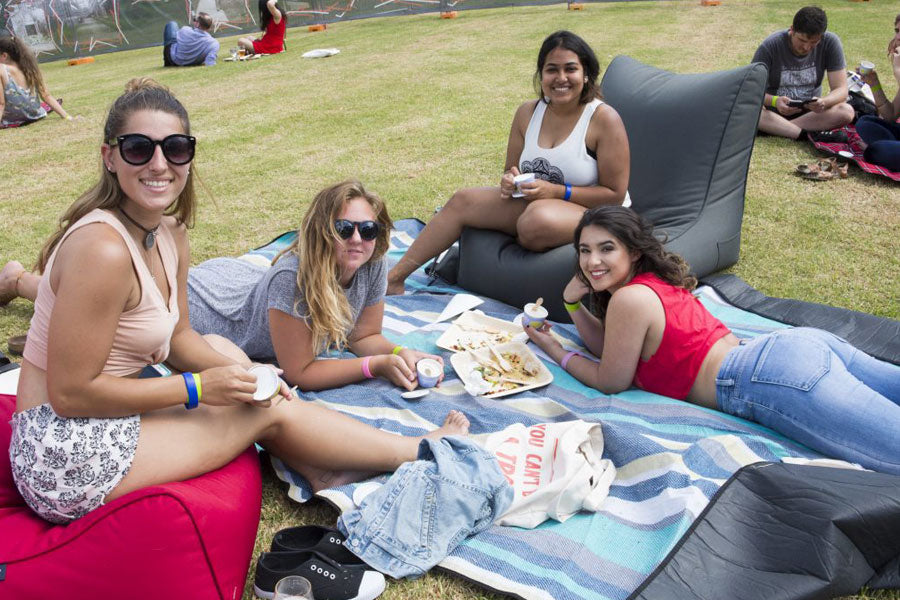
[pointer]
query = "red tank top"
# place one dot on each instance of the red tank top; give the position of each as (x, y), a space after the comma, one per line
(689, 334)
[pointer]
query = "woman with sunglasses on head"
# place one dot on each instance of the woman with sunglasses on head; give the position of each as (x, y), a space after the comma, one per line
(651, 332)
(113, 299)
(324, 292)
(573, 143)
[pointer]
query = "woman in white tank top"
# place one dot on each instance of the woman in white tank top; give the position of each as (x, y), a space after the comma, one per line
(574, 144)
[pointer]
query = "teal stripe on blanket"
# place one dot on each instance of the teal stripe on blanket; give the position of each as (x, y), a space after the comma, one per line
(671, 457)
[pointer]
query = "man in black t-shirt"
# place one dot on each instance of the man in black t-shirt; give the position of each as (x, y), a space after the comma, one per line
(797, 59)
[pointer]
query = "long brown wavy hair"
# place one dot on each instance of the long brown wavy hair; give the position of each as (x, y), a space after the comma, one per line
(22, 55)
(141, 93)
(636, 234)
(318, 276)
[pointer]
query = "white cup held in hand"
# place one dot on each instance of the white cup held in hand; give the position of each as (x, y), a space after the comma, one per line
(519, 180)
(535, 315)
(866, 67)
(267, 382)
(429, 371)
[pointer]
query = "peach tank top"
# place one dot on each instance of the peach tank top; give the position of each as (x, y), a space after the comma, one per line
(144, 332)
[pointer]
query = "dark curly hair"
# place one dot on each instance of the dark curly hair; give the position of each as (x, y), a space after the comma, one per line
(636, 234)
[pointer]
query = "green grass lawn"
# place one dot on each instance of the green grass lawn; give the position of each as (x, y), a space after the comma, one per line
(417, 107)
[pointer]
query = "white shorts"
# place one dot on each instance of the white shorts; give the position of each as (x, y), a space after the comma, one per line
(64, 468)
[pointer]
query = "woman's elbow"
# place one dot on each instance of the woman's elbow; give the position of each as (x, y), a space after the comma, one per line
(65, 403)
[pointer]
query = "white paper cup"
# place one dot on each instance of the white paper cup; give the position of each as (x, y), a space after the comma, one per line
(429, 371)
(866, 67)
(267, 382)
(535, 315)
(522, 178)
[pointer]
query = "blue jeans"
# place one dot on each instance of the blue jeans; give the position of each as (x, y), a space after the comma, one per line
(455, 489)
(883, 139)
(817, 389)
(169, 33)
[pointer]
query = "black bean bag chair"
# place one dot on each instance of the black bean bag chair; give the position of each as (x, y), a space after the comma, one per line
(691, 137)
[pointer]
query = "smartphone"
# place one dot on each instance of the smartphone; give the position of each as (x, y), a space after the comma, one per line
(799, 103)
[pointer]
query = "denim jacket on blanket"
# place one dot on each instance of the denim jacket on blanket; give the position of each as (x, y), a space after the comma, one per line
(455, 489)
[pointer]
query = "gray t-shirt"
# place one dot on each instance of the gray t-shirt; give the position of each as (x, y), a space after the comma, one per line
(232, 297)
(798, 77)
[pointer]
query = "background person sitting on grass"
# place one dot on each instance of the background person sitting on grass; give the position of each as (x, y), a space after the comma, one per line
(797, 59)
(881, 134)
(651, 332)
(324, 292)
(22, 86)
(113, 299)
(575, 145)
(190, 46)
(273, 22)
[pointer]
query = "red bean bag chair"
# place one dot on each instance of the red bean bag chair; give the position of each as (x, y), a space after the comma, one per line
(190, 539)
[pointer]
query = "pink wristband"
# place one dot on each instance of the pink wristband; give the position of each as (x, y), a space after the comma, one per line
(568, 357)
(365, 367)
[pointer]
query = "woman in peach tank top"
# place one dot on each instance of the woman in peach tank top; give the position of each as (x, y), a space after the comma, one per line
(86, 429)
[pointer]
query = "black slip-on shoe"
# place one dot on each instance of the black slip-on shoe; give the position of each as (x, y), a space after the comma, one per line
(314, 538)
(835, 136)
(330, 580)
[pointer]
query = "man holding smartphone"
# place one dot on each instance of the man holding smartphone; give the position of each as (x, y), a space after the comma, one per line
(797, 59)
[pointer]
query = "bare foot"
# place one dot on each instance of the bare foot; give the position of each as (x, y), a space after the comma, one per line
(9, 278)
(456, 423)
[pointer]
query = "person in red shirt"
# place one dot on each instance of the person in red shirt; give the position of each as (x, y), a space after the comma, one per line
(273, 22)
(651, 332)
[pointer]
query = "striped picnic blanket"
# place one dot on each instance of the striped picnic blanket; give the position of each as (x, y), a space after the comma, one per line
(855, 148)
(671, 456)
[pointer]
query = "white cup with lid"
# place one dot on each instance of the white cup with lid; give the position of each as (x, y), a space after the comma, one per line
(267, 382)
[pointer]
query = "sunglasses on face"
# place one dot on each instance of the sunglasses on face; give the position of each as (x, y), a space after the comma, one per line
(138, 149)
(368, 230)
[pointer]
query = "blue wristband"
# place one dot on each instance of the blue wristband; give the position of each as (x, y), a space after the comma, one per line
(193, 396)
(568, 192)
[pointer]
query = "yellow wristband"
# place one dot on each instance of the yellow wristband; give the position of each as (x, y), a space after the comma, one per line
(572, 307)
(199, 386)
(774, 101)
(396, 349)
(876, 88)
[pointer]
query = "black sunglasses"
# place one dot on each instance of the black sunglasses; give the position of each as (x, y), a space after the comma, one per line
(368, 230)
(138, 149)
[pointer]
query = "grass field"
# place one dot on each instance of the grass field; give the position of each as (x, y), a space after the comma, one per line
(417, 107)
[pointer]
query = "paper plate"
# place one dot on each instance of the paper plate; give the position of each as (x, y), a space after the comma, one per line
(473, 330)
(464, 363)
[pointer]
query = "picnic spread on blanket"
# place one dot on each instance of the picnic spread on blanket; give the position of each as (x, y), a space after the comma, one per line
(665, 459)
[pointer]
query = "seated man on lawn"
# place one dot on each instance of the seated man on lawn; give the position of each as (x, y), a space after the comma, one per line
(797, 59)
(190, 46)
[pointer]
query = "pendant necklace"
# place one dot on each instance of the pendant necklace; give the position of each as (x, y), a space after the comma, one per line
(150, 238)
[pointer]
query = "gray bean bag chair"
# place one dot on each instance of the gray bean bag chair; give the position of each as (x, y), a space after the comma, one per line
(691, 137)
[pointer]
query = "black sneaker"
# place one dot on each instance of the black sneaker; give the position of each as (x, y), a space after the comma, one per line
(330, 580)
(314, 538)
(835, 136)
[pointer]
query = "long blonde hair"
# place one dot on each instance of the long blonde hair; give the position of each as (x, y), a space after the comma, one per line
(24, 58)
(318, 276)
(141, 93)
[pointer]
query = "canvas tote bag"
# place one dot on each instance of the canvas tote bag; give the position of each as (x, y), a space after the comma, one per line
(555, 470)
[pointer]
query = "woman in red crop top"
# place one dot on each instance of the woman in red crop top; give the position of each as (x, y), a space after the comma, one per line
(112, 300)
(651, 332)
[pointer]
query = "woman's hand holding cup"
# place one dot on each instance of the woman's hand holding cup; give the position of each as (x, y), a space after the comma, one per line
(227, 386)
(394, 368)
(507, 183)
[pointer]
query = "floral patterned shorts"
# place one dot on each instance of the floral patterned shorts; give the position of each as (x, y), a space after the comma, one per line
(64, 468)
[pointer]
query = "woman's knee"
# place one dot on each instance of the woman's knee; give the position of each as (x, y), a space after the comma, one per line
(227, 348)
(541, 227)
(463, 201)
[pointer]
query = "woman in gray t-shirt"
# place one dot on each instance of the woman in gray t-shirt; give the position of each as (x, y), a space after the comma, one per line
(324, 292)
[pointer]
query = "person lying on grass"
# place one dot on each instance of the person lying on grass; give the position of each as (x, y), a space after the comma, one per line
(324, 292)
(573, 143)
(113, 299)
(651, 332)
